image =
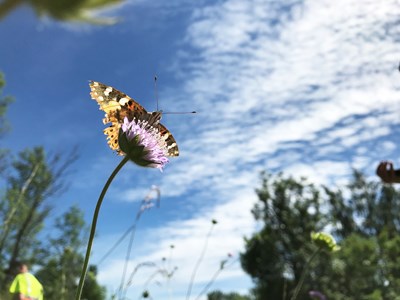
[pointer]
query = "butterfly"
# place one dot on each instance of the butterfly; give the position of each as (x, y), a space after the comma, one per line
(117, 106)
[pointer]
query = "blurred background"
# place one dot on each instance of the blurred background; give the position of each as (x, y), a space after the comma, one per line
(297, 102)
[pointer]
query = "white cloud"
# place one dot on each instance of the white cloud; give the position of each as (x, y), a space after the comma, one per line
(305, 89)
(189, 237)
(323, 172)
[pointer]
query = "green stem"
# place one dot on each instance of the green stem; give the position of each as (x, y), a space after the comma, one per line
(93, 229)
(198, 263)
(303, 275)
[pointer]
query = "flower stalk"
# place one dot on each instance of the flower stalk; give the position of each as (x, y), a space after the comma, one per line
(93, 227)
(324, 241)
(200, 259)
(303, 275)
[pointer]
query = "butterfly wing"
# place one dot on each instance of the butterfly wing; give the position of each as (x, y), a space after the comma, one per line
(117, 106)
(114, 103)
(172, 146)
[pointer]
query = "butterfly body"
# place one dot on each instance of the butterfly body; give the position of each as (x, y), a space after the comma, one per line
(117, 106)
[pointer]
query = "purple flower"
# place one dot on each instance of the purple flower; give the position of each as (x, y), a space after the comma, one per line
(143, 143)
(316, 294)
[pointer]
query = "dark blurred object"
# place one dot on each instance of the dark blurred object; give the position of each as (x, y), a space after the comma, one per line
(387, 173)
(64, 10)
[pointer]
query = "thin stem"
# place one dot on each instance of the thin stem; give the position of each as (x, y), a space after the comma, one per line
(142, 209)
(213, 278)
(93, 229)
(128, 254)
(284, 288)
(133, 227)
(303, 275)
(144, 264)
(198, 263)
(169, 268)
(163, 272)
(116, 244)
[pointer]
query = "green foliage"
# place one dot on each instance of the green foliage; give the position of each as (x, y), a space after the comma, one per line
(61, 270)
(217, 295)
(276, 256)
(64, 10)
(369, 209)
(32, 179)
(92, 290)
(4, 103)
(366, 221)
(60, 273)
(353, 273)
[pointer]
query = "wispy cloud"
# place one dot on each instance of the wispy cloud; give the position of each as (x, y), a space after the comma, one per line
(264, 76)
(188, 238)
(302, 86)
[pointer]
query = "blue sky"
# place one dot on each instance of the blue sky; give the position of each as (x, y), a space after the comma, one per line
(310, 88)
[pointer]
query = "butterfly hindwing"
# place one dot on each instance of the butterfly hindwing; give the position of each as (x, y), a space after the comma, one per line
(117, 106)
(170, 140)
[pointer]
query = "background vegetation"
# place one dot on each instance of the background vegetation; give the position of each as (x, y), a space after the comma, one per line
(30, 179)
(364, 217)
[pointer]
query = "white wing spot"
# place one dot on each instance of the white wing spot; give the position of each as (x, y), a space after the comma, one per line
(100, 98)
(123, 101)
(108, 91)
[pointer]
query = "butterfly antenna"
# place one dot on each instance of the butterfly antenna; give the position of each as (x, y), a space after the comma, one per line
(179, 112)
(170, 113)
(156, 90)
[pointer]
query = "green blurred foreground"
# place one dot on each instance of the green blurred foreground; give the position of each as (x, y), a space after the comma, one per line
(64, 10)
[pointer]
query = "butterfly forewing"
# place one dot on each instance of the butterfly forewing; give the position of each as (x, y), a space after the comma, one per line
(117, 106)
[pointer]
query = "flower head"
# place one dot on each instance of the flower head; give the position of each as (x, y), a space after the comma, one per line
(145, 294)
(143, 143)
(325, 240)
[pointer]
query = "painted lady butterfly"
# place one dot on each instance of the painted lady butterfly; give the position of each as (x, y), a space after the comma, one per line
(117, 106)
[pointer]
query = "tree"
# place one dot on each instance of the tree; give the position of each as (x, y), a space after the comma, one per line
(92, 290)
(275, 256)
(4, 127)
(34, 178)
(368, 265)
(217, 295)
(364, 216)
(370, 208)
(61, 271)
(4, 103)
